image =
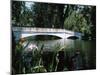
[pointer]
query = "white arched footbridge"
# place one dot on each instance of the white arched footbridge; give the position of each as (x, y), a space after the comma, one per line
(23, 32)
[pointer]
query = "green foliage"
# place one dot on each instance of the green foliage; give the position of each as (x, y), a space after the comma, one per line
(17, 7)
(82, 19)
(78, 18)
(48, 15)
(76, 22)
(21, 15)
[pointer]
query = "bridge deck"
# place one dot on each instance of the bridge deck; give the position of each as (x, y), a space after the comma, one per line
(30, 29)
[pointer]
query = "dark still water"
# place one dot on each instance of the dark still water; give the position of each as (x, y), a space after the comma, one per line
(88, 48)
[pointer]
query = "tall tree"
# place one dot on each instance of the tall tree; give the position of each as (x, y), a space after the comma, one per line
(17, 10)
(48, 15)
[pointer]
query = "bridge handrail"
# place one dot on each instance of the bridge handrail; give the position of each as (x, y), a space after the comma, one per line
(30, 29)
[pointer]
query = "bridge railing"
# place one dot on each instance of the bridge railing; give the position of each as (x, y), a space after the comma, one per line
(30, 29)
(38, 29)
